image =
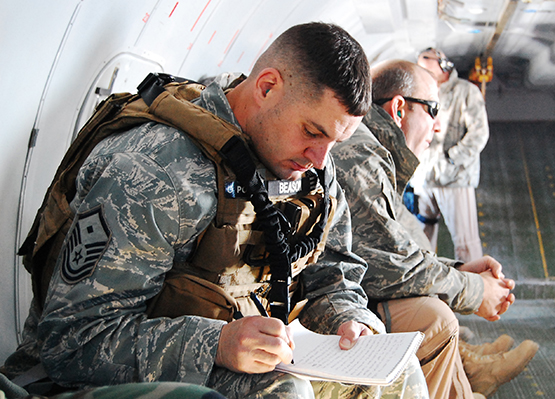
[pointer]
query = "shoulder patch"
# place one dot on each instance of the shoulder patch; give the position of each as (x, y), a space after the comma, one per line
(85, 243)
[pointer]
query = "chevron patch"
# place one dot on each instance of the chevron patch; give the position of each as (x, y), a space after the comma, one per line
(85, 243)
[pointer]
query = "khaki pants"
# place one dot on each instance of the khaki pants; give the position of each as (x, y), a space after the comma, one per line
(439, 353)
(457, 205)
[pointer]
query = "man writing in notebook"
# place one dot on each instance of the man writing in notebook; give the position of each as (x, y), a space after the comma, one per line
(184, 232)
(374, 167)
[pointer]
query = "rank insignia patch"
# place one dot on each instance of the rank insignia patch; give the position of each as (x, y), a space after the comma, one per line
(85, 243)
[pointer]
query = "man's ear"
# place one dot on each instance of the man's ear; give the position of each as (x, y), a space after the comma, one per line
(268, 82)
(397, 109)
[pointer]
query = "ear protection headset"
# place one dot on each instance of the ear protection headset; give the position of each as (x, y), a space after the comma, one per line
(444, 63)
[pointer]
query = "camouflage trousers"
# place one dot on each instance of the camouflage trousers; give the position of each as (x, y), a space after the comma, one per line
(226, 384)
(150, 390)
(272, 385)
(411, 384)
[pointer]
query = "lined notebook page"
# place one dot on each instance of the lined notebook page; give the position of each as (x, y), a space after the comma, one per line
(374, 360)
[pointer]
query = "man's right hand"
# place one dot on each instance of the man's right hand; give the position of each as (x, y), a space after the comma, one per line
(497, 296)
(254, 345)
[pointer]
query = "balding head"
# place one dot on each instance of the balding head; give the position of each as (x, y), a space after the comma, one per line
(397, 77)
(437, 63)
(409, 94)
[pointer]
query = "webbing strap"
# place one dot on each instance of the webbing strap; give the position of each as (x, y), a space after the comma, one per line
(236, 154)
(34, 374)
(269, 220)
(153, 85)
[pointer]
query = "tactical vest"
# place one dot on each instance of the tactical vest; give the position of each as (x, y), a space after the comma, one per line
(265, 231)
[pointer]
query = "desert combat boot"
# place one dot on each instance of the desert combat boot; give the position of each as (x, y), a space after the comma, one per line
(487, 373)
(500, 345)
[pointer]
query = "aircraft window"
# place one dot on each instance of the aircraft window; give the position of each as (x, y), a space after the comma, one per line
(123, 73)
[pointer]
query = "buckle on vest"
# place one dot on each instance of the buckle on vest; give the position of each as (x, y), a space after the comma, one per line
(153, 85)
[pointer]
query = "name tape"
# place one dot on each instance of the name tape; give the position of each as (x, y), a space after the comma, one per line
(275, 188)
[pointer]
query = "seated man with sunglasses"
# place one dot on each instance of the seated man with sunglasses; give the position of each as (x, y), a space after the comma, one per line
(410, 287)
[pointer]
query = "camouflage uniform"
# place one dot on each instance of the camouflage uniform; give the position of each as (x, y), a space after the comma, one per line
(373, 167)
(150, 390)
(143, 197)
(450, 168)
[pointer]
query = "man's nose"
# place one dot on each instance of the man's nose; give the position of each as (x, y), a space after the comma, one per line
(317, 155)
(437, 125)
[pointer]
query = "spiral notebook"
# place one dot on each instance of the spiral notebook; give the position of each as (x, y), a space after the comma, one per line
(374, 360)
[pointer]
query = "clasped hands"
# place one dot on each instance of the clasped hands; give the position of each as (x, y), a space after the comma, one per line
(497, 289)
(257, 344)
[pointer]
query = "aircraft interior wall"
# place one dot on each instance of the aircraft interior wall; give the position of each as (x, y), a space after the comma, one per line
(60, 59)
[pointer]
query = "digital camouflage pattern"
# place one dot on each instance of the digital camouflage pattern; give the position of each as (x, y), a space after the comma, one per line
(373, 167)
(453, 158)
(154, 390)
(409, 385)
(147, 194)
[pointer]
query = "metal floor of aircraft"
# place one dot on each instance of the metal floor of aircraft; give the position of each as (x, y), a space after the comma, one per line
(516, 204)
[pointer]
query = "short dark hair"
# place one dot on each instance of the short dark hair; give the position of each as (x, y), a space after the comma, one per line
(320, 55)
(392, 78)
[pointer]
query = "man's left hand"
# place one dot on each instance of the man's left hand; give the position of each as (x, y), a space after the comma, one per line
(484, 264)
(350, 332)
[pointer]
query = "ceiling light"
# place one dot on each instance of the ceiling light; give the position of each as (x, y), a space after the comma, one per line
(476, 10)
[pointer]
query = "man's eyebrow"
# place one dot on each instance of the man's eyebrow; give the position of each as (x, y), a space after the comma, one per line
(320, 129)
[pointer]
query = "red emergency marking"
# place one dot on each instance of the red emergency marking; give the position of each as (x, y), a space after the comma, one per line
(146, 17)
(200, 15)
(260, 51)
(190, 46)
(174, 7)
(231, 41)
(241, 56)
(212, 37)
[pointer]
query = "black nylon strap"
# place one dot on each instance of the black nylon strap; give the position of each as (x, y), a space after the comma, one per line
(280, 254)
(238, 157)
(153, 85)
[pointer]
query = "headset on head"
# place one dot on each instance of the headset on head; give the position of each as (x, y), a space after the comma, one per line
(444, 63)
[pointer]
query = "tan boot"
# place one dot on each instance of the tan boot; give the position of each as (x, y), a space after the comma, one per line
(465, 333)
(501, 344)
(478, 395)
(487, 373)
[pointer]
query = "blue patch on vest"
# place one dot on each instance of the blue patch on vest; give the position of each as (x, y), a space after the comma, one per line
(85, 243)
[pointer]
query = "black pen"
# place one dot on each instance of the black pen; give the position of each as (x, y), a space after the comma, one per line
(259, 305)
(261, 309)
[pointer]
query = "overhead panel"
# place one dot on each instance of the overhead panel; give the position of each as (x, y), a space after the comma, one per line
(420, 23)
(468, 26)
(342, 13)
(411, 25)
(376, 16)
(542, 63)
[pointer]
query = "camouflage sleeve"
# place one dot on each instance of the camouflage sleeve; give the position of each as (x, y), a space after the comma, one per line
(332, 285)
(397, 266)
(475, 120)
(134, 213)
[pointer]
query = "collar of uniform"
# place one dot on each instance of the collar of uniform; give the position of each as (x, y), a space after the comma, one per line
(213, 99)
(448, 86)
(392, 138)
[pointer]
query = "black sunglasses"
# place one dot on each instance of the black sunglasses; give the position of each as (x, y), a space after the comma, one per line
(433, 106)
